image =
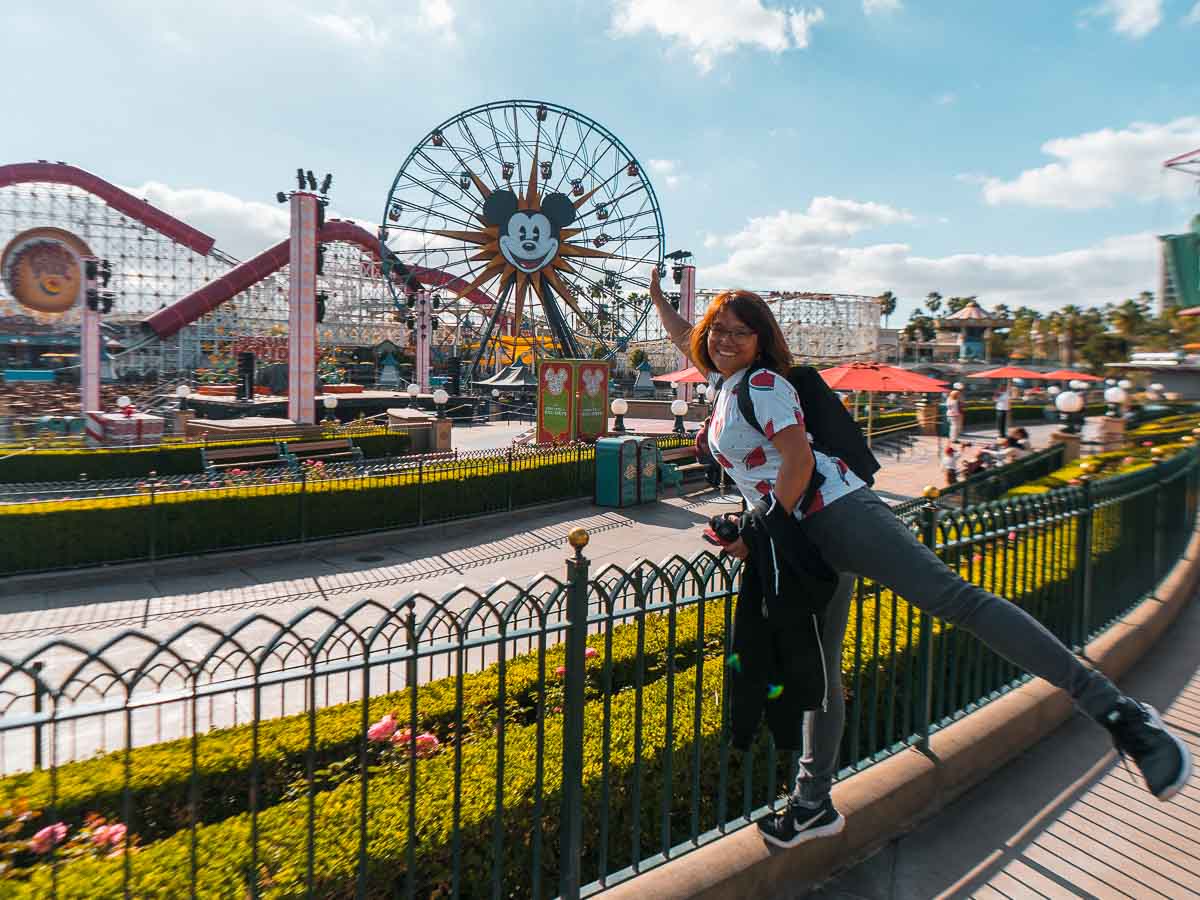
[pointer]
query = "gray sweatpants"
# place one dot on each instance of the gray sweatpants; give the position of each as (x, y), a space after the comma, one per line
(859, 535)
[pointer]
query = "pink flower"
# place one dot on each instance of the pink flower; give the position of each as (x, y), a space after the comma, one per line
(402, 738)
(214, 484)
(560, 671)
(977, 558)
(558, 709)
(50, 836)
(1147, 443)
(1012, 535)
(383, 729)
(591, 653)
(427, 744)
(187, 482)
(1128, 461)
(109, 835)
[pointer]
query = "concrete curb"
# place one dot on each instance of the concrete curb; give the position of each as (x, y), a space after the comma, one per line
(896, 795)
(221, 560)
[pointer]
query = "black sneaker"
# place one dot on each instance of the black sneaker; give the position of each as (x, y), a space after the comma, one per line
(797, 824)
(1140, 735)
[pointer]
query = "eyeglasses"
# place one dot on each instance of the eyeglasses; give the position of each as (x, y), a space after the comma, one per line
(716, 332)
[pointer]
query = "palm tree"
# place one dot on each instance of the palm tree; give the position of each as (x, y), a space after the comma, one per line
(934, 301)
(887, 306)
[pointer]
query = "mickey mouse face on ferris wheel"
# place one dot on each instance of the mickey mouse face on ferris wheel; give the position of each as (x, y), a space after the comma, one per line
(529, 238)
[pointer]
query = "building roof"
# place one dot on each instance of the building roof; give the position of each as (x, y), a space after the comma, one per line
(972, 315)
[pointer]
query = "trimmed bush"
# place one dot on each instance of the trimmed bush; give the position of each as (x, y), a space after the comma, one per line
(66, 464)
(256, 512)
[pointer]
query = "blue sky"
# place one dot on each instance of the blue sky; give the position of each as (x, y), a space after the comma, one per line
(1006, 149)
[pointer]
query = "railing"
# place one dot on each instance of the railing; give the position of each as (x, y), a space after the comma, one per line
(555, 738)
(160, 517)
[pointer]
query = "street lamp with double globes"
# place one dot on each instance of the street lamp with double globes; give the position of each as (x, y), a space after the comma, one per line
(679, 409)
(1069, 404)
(619, 407)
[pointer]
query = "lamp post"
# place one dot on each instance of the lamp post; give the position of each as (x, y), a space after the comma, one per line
(330, 403)
(619, 407)
(701, 393)
(1069, 404)
(439, 400)
(1115, 398)
(183, 392)
(414, 391)
(679, 409)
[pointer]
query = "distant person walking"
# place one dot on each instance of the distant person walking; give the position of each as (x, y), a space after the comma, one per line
(1003, 405)
(955, 414)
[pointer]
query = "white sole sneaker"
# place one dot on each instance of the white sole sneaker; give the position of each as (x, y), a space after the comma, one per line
(805, 835)
(1185, 773)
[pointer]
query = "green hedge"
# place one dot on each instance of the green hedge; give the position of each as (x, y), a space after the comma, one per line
(66, 464)
(112, 529)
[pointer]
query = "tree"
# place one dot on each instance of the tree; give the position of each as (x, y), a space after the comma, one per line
(1001, 311)
(1129, 318)
(887, 306)
(934, 301)
(637, 357)
(954, 304)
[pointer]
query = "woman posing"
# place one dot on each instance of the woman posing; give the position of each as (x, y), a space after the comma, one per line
(857, 534)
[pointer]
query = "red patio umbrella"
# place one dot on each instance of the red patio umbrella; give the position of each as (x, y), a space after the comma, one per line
(878, 378)
(1007, 372)
(1068, 375)
(690, 375)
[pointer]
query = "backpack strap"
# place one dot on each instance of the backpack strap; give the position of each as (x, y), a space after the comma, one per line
(745, 403)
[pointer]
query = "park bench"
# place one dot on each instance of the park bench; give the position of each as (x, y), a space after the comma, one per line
(335, 450)
(679, 464)
(219, 459)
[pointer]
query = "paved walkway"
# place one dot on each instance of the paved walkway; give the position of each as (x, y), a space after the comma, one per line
(1065, 819)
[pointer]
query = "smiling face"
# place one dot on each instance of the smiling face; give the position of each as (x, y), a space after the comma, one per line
(529, 242)
(46, 277)
(732, 344)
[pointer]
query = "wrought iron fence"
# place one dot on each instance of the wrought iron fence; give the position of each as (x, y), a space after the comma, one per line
(552, 738)
(162, 517)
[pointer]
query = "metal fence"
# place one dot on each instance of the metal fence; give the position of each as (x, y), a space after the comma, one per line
(165, 517)
(554, 738)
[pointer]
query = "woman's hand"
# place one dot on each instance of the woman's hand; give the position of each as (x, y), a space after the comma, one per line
(738, 549)
(678, 329)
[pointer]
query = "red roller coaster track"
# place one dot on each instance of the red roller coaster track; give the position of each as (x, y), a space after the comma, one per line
(169, 320)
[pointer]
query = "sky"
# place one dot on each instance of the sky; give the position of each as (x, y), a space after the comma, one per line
(1011, 150)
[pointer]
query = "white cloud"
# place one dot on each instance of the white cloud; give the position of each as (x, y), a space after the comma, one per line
(1132, 18)
(668, 171)
(946, 99)
(1095, 168)
(712, 28)
(826, 219)
(871, 7)
(242, 228)
(1193, 17)
(360, 29)
(767, 255)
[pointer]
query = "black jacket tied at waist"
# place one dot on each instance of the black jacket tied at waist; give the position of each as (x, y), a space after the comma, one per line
(777, 661)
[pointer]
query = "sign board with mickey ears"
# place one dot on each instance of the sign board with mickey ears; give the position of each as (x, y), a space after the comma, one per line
(591, 420)
(557, 380)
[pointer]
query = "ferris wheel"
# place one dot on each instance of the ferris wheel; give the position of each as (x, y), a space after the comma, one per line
(536, 215)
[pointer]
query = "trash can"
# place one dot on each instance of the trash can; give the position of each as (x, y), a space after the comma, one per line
(649, 457)
(617, 471)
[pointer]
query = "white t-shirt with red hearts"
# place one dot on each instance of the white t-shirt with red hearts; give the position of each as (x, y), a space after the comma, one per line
(748, 456)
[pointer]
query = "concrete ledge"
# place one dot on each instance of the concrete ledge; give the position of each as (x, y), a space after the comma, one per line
(896, 795)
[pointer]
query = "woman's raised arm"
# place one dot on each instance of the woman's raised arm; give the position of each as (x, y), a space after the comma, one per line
(678, 329)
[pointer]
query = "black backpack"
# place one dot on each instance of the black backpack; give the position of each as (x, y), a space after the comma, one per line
(834, 431)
